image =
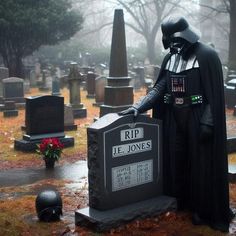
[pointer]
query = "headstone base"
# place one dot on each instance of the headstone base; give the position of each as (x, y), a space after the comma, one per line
(98, 104)
(90, 96)
(70, 127)
(2, 107)
(20, 106)
(232, 173)
(101, 221)
(30, 146)
(80, 112)
(44, 89)
(231, 144)
(56, 94)
(15, 99)
(10, 113)
(105, 109)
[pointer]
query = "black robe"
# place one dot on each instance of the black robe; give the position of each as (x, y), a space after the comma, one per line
(209, 173)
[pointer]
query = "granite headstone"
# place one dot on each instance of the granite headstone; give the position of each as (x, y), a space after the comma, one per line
(44, 118)
(100, 83)
(91, 76)
(13, 90)
(69, 123)
(4, 73)
(124, 171)
(10, 109)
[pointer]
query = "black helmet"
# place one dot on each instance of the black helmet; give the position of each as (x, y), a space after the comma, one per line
(48, 205)
(177, 27)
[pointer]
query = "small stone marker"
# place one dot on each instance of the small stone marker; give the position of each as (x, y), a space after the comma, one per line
(91, 76)
(69, 118)
(125, 171)
(10, 109)
(100, 83)
(75, 79)
(4, 73)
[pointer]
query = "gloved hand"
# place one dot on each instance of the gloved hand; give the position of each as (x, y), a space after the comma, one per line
(130, 110)
(206, 133)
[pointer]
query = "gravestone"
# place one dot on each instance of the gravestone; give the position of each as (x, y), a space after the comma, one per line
(44, 118)
(75, 79)
(100, 83)
(10, 109)
(37, 71)
(91, 76)
(69, 118)
(55, 86)
(4, 73)
(32, 79)
(230, 93)
(13, 90)
(26, 85)
(118, 92)
(44, 86)
(124, 171)
(139, 78)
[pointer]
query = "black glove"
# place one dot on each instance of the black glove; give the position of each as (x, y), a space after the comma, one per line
(206, 133)
(147, 102)
(128, 111)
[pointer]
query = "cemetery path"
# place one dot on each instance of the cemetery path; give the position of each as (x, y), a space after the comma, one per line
(17, 177)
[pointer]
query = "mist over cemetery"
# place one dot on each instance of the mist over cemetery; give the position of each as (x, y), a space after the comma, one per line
(67, 68)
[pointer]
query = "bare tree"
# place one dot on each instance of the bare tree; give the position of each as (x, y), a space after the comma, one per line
(144, 17)
(226, 7)
(147, 16)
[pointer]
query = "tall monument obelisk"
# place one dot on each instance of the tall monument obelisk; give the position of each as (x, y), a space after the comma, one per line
(118, 93)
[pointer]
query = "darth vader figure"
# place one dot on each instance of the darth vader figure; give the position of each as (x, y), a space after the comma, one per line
(188, 97)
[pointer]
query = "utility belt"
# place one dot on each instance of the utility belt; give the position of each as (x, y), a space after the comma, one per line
(182, 101)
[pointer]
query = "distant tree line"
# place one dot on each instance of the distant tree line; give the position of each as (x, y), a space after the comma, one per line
(25, 25)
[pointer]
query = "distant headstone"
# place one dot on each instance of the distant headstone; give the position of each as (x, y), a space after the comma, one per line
(56, 86)
(91, 76)
(44, 118)
(230, 93)
(44, 86)
(100, 83)
(69, 118)
(26, 85)
(125, 170)
(139, 78)
(32, 79)
(37, 70)
(75, 79)
(4, 73)
(13, 89)
(10, 109)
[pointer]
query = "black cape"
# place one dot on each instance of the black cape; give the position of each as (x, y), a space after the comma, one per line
(212, 197)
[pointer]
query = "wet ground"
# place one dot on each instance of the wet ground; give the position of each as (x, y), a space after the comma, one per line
(17, 177)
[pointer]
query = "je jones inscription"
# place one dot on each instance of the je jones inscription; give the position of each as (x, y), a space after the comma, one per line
(134, 174)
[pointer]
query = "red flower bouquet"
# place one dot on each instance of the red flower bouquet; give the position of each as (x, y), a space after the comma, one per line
(50, 148)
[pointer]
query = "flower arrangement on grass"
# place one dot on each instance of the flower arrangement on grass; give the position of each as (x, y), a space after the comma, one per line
(50, 148)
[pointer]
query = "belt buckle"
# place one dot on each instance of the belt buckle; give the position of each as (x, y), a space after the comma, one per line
(179, 101)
